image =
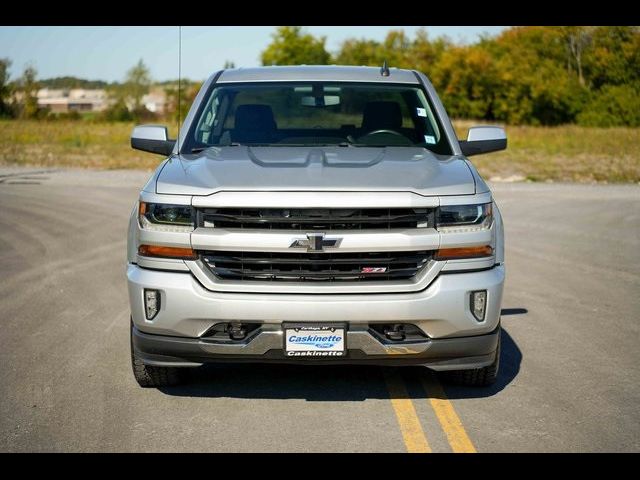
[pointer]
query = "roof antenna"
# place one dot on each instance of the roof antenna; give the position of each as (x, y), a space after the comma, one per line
(384, 70)
(179, 83)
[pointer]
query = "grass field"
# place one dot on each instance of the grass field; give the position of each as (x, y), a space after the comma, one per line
(567, 153)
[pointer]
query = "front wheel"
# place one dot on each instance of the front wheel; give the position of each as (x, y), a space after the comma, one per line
(478, 377)
(149, 376)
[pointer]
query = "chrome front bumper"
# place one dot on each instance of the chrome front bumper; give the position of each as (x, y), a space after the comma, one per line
(441, 311)
(363, 348)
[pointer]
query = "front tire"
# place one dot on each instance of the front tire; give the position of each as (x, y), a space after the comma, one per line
(478, 377)
(149, 376)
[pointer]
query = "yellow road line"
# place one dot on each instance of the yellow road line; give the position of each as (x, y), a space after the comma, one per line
(447, 416)
(414, 438)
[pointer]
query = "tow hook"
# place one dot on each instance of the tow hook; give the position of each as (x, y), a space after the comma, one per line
(237, 332)
(395, 333)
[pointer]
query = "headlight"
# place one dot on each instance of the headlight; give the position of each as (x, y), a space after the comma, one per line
(464, 218)
(165, 217)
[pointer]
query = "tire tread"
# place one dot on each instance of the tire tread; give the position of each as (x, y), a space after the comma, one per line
(149, 376)
(477, 377)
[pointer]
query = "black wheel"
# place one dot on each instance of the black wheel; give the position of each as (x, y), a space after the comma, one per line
(477, 377)
(153, 377)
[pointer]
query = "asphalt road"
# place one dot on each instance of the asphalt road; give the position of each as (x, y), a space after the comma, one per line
(570, 377)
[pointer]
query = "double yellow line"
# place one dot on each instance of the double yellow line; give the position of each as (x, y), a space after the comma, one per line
(413, 435)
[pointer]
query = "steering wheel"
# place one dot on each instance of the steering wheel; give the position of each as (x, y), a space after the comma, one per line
(384, 130)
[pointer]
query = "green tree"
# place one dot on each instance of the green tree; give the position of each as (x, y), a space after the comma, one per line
(397, 49)
(5, 89)
(532, 82)
(614, 56)
(530, 75)
(71, 82)
(136, 85)
(189, 90)
(578, 39)
(613, 106)
(466, 78)
(29, 89)
(291, 46)
(126, 99)
(426, 53)
(117, 110)
(360, 52)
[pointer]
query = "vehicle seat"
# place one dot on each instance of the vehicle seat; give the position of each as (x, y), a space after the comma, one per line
(381, 116)
(254, 124)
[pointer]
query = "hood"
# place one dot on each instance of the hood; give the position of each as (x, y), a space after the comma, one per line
(242, 168)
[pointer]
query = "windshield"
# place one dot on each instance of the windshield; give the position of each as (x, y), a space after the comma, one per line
(316, 114)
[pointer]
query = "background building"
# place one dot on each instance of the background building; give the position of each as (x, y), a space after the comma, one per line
(75, 99)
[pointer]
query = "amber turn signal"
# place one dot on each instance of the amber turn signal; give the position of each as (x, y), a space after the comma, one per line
(464, 252)
(166, 252)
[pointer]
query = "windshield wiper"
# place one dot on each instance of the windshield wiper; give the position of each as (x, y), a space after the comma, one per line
(309, 145)
(351, 144)
(341, 144)
(202, 149)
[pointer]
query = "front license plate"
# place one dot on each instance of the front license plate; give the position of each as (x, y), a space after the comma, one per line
(314, 341)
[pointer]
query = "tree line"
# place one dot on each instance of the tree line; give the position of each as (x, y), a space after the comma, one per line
(524, 75)
(18, 98)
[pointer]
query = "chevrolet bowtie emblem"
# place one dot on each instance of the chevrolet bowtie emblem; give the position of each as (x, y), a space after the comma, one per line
(315, 242)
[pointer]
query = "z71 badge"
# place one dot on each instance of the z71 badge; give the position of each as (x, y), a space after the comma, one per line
(373, 270)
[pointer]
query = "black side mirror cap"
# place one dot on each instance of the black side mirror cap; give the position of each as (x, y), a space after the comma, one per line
(152, 138)
(478, 147)
(483, 139)
(163, 147)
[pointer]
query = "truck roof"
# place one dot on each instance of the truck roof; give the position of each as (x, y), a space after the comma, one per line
(316, 72)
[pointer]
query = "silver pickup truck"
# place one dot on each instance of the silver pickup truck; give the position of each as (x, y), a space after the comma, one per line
(318, 215)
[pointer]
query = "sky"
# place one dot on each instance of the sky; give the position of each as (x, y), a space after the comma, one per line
(106, 53)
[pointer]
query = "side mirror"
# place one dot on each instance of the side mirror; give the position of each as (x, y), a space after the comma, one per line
(483, 139)
(152, 138)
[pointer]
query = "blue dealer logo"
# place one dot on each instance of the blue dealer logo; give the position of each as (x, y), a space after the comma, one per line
(315, 340)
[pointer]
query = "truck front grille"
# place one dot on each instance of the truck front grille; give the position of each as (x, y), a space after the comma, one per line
(317, 218)
(315, 267)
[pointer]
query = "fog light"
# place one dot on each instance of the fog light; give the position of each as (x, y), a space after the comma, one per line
(151, 303)
(478, 304)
